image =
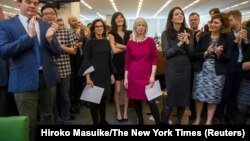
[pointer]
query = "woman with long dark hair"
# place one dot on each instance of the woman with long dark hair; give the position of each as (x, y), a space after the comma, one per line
(177, 46)
(118, 38)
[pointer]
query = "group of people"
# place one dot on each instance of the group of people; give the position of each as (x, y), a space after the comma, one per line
(47, 59)
(40, 54)
(224, 51)
(209, 64)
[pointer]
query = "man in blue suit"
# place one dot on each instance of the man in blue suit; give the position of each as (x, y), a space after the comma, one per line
(30, 45)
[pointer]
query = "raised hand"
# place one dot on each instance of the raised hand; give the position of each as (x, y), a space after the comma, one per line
(237, 37)
(186, 36)
(243, 36)
(51, 31)
(210, 49)
(219, 50)
(32, 27)
(183, 38)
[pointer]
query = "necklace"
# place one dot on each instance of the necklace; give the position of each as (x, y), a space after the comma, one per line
(139, 40)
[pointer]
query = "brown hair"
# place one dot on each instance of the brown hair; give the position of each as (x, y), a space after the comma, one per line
(113, 23)
(225, 28)
(194, 13)
(92, 29)
(236, 14)
(215, 10)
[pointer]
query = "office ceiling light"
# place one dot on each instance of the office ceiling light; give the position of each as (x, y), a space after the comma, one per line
(114, 5)
(83, 17)
(139, 8)
(191, 4)
(246, 13)
(8, 13)
(164, 6)
(89, 7)
(97, 13)
(236, 5)
(6, 6)
(245, 18)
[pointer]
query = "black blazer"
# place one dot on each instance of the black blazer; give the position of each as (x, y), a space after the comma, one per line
(220, 62)
(232, 66)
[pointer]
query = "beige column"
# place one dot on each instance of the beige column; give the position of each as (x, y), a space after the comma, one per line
(108, 19)
(75, 9)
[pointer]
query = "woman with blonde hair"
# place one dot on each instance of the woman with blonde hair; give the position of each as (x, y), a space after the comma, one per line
(140, 68)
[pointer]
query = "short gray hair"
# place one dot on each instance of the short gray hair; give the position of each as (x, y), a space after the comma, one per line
(137, 21)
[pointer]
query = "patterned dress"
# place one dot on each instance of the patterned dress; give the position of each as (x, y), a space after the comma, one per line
(208, 85)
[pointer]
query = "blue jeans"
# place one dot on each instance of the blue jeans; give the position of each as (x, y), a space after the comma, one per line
(62, 99)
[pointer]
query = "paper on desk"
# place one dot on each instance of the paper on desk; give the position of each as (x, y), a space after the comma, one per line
(89, 70)
(93, 94)
(153, 92)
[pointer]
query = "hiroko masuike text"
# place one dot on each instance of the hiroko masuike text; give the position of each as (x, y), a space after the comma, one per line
(137, 132)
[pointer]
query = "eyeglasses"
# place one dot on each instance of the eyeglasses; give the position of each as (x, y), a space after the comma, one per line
(51, 13)
(99, 26)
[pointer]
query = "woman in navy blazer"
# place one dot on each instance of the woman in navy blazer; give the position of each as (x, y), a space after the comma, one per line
(212, 54)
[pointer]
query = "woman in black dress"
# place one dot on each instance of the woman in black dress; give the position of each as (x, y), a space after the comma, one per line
(97, 53)
(118, 38)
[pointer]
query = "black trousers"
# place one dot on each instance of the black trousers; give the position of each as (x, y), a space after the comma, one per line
(153, 107)
(98, 112)
(7, 103)
(229, 95)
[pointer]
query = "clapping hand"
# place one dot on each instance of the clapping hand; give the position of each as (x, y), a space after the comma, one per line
(183, 37)
(219, 50)
(32, 27)
(51, 31)
(243, 35)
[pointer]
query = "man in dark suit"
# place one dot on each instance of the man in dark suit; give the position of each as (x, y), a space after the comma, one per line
(241, 37)
(33, 75)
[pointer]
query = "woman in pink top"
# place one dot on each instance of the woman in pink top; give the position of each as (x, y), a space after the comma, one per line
(140, 68)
